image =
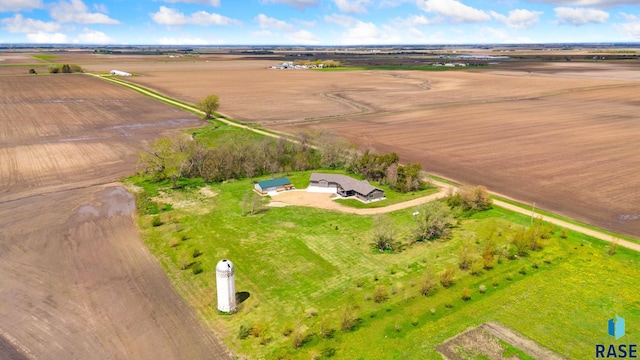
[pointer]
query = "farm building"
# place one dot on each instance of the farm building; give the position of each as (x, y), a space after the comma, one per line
(119, 73)
(345, 186)
(274, 185)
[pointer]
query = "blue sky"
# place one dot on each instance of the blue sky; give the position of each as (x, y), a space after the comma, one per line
(318, 22)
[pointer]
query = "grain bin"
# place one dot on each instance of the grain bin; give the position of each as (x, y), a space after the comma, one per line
(225, 282)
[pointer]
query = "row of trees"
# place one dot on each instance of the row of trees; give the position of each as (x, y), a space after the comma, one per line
(65, 69)
(385, 169)
(174, 158)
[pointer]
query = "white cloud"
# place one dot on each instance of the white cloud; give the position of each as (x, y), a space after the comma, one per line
(306, 23)
(631, 27)
(596, 3)
(580, 16)
(262, 33)
(454, 10)
(342, 20)
(171, 17)
(298, 4)
(182, 41)
(303, 37)
(394, 3)
(42, 37)
(94, 37)
(76, 11)
(519, 18)
(366, 33)
(352, 6)
(414, 20)
(214, 3)
(629, 17)
(266, 22)
(17, 5)
(18, 24)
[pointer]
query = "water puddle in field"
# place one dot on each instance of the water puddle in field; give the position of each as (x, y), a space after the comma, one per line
(625, 218)
(118, 201)
(174, 122)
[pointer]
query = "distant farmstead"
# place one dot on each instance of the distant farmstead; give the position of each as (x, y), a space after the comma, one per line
(119, 73)
(273, 185)
(345, 186)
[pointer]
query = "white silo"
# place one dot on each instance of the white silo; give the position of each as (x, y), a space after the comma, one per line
(225, 282)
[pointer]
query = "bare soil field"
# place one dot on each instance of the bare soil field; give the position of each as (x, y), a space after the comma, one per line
(64, 131)
(77, 281)
(560, 134)
(483, 341)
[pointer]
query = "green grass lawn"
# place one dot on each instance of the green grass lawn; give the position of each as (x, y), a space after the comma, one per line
(307, 269)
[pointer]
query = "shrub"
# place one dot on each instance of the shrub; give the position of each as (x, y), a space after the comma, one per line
(428, 285)
(156, 221)
(326, 331)
(432, 311)
(397, 327)
(482, 289)
(244, 331)
(380, 294)
(258, 329)
(448, 277)
(184, 261)
(349, 320)
(287, 330)
(523, 271)
(312, 312)
(448, 305)
(466, 294)
(32, 71)
(173, 242)
(328, 352)
(477, 267)
(196, 253)
(299, 337)
(196, 268)
(509, 277)
(414, 321)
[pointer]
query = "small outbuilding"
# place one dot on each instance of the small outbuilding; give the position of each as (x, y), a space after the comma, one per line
(119, 73)
(274, 185)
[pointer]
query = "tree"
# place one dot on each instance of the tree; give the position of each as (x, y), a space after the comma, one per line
(32, 71)
(383, 234)
(428, 285)
(465, 255)
(209, 105)
(167, 159)
(434, 221)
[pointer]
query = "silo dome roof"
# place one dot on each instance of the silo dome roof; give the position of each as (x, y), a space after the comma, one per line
(224, 266)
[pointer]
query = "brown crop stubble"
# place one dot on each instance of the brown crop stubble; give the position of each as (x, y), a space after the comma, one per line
(77, 281)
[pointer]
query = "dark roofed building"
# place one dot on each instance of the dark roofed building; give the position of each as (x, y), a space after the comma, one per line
(266, 186)
(347, 186)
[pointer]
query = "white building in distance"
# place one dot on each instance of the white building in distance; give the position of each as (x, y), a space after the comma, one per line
(225, 282)
(119, 73)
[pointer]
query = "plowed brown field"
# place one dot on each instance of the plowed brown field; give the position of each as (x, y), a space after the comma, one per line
(76, 280)
(562, 135)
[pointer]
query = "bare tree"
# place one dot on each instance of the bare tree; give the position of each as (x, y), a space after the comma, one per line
(383, 234)
(434, 221)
